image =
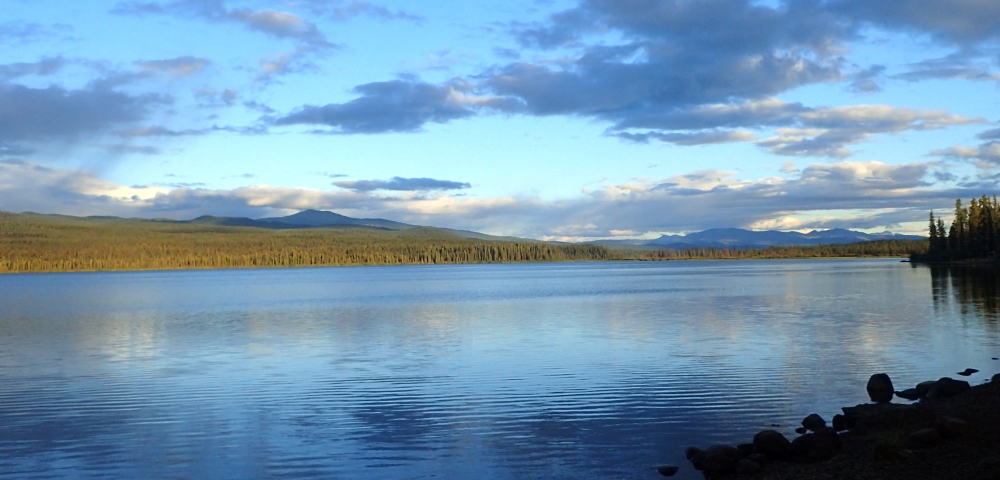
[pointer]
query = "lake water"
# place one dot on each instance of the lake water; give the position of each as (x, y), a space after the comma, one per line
(567, 370)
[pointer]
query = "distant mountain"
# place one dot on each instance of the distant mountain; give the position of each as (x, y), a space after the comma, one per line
(740, 238)
(325, 219)
(321, 218)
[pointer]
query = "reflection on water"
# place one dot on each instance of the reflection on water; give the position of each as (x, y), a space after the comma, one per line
(584, 370)
(974, 289)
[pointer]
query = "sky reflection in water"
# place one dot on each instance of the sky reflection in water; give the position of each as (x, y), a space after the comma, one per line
(586, 370)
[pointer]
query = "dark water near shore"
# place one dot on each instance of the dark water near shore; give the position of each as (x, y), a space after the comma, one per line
(583, 370)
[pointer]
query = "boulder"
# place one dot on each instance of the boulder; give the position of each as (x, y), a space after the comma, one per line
(880, 388)
(924, 387)
(720, 459)
(840, 423)
(667, 470)
(771, 443)
(691, 452)
(802, 430)
(925, 438)
(909, 394)
(995, 379)
(967, 372)
(813, 422)
(747, 467)
(698, 460)
(947, 387)
(951, 427)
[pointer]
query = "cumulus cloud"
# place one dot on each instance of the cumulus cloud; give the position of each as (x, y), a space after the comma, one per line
(957, 21)
(54, 112)
(402, 184)
(395, 106)
(821, 194)
(271, 22)
(175, 67)
(45, 66)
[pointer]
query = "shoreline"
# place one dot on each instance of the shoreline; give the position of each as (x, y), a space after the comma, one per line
(285, 267)
(951, 432)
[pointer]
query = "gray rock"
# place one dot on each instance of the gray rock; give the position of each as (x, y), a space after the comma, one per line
(947, 388)
(771, 443)
(813, 422)
(667, 470)
(880, 388)
(698, 460)
(802, 430)
(747, 467)
(995, 379)
(840, 423)
(925, 438)
(924, 387)
(909, 394)
(881, 415)
(967, 372)
(691, 452)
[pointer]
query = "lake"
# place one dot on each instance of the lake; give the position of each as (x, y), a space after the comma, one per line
(516, 371)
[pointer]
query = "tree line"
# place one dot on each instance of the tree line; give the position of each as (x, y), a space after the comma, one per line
(48, 243)
(974, 233)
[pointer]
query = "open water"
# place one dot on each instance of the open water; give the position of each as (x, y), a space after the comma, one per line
(518, 371)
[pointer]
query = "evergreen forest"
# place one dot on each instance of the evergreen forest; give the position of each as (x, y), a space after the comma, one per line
(49, 243)
(973, 235)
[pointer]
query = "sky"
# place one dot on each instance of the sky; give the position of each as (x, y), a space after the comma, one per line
(549, 119)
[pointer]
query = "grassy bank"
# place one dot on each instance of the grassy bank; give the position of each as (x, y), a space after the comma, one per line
(52, 243)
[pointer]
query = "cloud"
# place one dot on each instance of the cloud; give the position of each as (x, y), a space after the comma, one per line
(697, 138)
(126, 149)
(18, 32)
(956, 21)
(987, 152)
(394, 106)
(176, 67)
(45, 66)
(402, 184)
(54, 112)
(821, 194)
(866, 81)
(275, 23)
(343, 11)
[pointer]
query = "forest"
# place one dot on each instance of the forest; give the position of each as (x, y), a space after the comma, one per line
(49, 243)
(973, 235)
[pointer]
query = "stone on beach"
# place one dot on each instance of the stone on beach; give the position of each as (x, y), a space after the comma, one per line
(771, 443)
(813, 422)
(667, 470)
(909, 394)
(947, 387)
(880, 388)
(967, 372)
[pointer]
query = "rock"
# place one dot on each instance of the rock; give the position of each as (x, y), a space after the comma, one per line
(995, 379)
(927, 437)
(771, 443)
(813, 422)
(691, 452)
(924, 387)
(819, 446)
(880, 388)
(947, 388)
(758, 458)
(747, 467)
(909, 394)
(698, 460)
(967, 372)
(667, 470)
(840, 423)
(745, 449)
(802, 430)
(951, 427)
(720, 459)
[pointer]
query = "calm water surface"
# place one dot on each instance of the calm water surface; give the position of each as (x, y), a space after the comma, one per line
(580, 370)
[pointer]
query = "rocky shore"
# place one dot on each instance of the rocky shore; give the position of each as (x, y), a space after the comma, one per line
(951, 432)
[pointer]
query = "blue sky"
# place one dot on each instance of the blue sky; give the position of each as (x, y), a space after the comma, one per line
(569, 120)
